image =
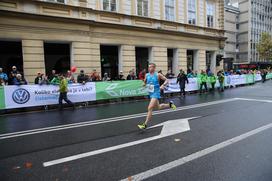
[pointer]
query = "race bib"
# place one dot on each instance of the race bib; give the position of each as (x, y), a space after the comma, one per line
(150, 88)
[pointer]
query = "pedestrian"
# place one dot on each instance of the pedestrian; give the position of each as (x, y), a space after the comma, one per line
(44, 80)
(221, 79)
(169, 75)
(12, 75)
(263, 75)
(52, 75)
(142, 74)
(95, 76)
(203, 81)
(63, 89)
(3, 76)
(38, 79)
(70, 77)
(106, 77)
(121, 76)
(212, 81)
(2, 82)
(82, 78)
(182, 80)
(19, 80)
(152, 80)
(131, 75)
(55, 80)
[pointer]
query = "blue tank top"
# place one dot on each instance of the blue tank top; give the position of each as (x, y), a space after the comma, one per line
(153, 80)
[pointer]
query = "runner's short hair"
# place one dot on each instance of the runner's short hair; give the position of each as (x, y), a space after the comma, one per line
(152, 64)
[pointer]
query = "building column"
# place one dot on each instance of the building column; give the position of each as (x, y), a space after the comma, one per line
(213, 62)
(159, 57)
(33, 58)
(201, 60)
(182, 59)
(86, 56)
(128, 58)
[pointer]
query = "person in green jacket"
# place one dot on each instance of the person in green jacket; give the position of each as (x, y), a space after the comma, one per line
(203, 81)
(63, 89)
(55, 80)
(212, 81)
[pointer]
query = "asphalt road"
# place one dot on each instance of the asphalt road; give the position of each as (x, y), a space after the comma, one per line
(216, 136)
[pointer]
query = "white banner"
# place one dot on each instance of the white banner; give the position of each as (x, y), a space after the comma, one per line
(174, 87)
(36, 95)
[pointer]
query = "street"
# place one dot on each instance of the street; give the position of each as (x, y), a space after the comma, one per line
(210, 137)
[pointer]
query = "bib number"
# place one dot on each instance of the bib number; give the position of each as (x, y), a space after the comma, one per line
(150, 88)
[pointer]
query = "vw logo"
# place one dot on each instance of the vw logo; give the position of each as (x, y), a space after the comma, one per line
(21, 96)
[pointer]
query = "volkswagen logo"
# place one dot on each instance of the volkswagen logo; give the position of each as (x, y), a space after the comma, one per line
(21, 96)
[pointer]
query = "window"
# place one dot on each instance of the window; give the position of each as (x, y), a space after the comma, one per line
(169, 10)
(57, 1)
(192, 12)
(210, 14)
(142, 7)
(109, 5)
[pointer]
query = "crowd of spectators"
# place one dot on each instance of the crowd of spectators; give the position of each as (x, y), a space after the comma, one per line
(17, 78)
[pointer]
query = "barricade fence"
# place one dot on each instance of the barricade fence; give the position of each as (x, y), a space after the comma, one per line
(41, 95)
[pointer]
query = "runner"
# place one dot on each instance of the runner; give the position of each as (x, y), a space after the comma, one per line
(152, 80)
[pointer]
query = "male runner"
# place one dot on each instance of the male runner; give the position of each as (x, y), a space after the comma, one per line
(152, 81)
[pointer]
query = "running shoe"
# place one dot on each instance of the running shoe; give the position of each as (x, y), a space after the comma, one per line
(172, 105)
(142, 126)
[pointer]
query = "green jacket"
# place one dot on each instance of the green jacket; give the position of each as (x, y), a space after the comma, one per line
(221, 78)
(203, 78)
(55, 81)
(63, 86)
(212, 79)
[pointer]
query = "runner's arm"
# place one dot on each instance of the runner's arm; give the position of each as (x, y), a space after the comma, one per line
(166, 81)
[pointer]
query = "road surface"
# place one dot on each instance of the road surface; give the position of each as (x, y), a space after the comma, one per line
(210, 137)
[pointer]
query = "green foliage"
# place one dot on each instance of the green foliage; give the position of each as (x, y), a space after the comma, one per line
(264, 47)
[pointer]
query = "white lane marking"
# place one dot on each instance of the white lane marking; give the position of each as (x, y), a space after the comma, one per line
(256, 100)
(107, 120)
(183, 160)
(169, 128)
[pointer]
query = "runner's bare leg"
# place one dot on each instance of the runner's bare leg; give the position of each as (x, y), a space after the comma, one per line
(154, 103)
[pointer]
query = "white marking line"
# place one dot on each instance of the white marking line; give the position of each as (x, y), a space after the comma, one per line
(186, 159)
(257, 100)
(169, 128)
(107, 120)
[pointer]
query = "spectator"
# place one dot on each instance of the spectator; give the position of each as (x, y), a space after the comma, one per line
(52, 75)
(263, 75)
(19, 80)
(169, 75)
(38, 79)
(181, 80)
(131, 75)
(142, 74)
(203, 81)
(44, 80)
(12, 75)
(212, 81)
(70, 77)
(55, 80)
(82, 78)
(95, 76)
(3, 76)
(2, 82)
(63, 89)
(121, 76)
(106, 77)
(221, 79)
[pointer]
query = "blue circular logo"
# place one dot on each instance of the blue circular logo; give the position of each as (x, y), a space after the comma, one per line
(21, 96)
